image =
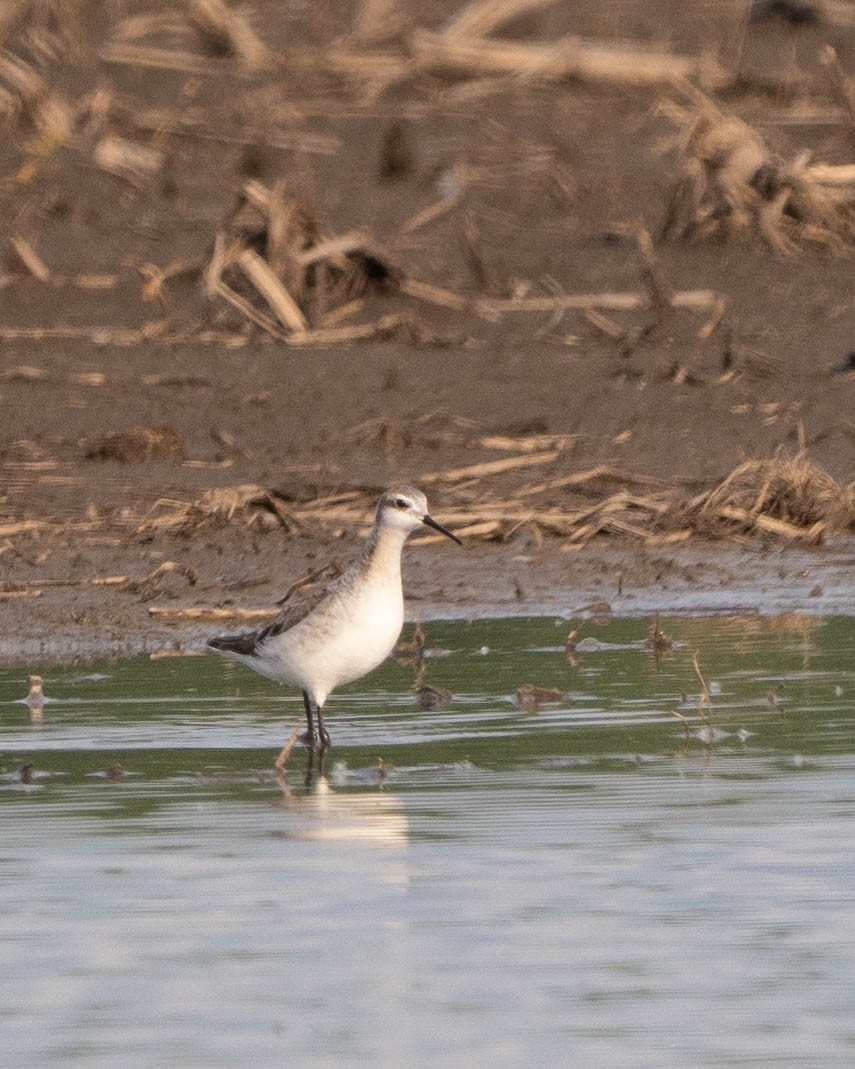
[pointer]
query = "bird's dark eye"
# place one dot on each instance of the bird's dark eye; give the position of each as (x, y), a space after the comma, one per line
(401, 503)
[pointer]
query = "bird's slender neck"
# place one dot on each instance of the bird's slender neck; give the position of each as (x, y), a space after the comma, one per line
(381, 554)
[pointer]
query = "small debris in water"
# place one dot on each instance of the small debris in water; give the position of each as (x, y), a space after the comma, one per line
(459, 767)
(27, 773)
(657, 641)
(594, 645)
(774, 698)
(530, 697)
(382, 771)
(709, 735)
(36, 699)
(551, 763)
(429, 697)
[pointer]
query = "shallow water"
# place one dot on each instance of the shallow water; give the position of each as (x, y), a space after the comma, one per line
(595, 882)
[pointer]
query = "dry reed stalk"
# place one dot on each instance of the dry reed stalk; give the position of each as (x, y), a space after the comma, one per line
(571, 57)
(532, 443)
(433, 211)
(155, 120)
(841, 85)
(423, 291)
(333, 499)
(137, 164)
(212, 613)
(770, 525)
(490, 467)
(30, 259)
(135, 27)
(157, 277)
(337, 316)
(325, 336)
(230, 32)
(695, 300)
(242, 305)
(704, 697)
(51, 333)
(122, 582)
(213, 273)
(264, 279)
(336, 248)
(24, 91)
(369, 73)
(379, 20)
(480, 17)
(9, 530)
(166, 59)
(95, 282)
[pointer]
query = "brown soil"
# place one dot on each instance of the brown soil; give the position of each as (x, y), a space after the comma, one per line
(549, 181)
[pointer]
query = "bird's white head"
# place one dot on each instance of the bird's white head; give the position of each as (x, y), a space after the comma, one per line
(405, 509)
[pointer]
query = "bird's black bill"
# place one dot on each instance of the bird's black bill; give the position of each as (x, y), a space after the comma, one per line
(429, 521)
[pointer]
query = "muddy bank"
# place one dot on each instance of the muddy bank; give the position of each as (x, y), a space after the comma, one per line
(71, 624)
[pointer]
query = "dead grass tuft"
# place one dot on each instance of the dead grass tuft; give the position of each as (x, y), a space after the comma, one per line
(788, 496)
(731, 185)
(277, 263)
(137, 445)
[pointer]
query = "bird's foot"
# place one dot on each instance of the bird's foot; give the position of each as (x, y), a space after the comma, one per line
(317, 740)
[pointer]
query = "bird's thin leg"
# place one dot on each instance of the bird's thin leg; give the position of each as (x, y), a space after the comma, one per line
(323, 735)
(307, 702)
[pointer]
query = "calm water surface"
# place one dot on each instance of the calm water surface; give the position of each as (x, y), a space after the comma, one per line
(598, 881)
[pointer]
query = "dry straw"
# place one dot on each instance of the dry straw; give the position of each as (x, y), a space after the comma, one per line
(791, 497)
(732, 185)
(785, 497)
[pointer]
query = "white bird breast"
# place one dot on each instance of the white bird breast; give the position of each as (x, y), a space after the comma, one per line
(328, 649)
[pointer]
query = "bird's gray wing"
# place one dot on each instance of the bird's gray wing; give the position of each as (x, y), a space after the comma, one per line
(298, 603)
